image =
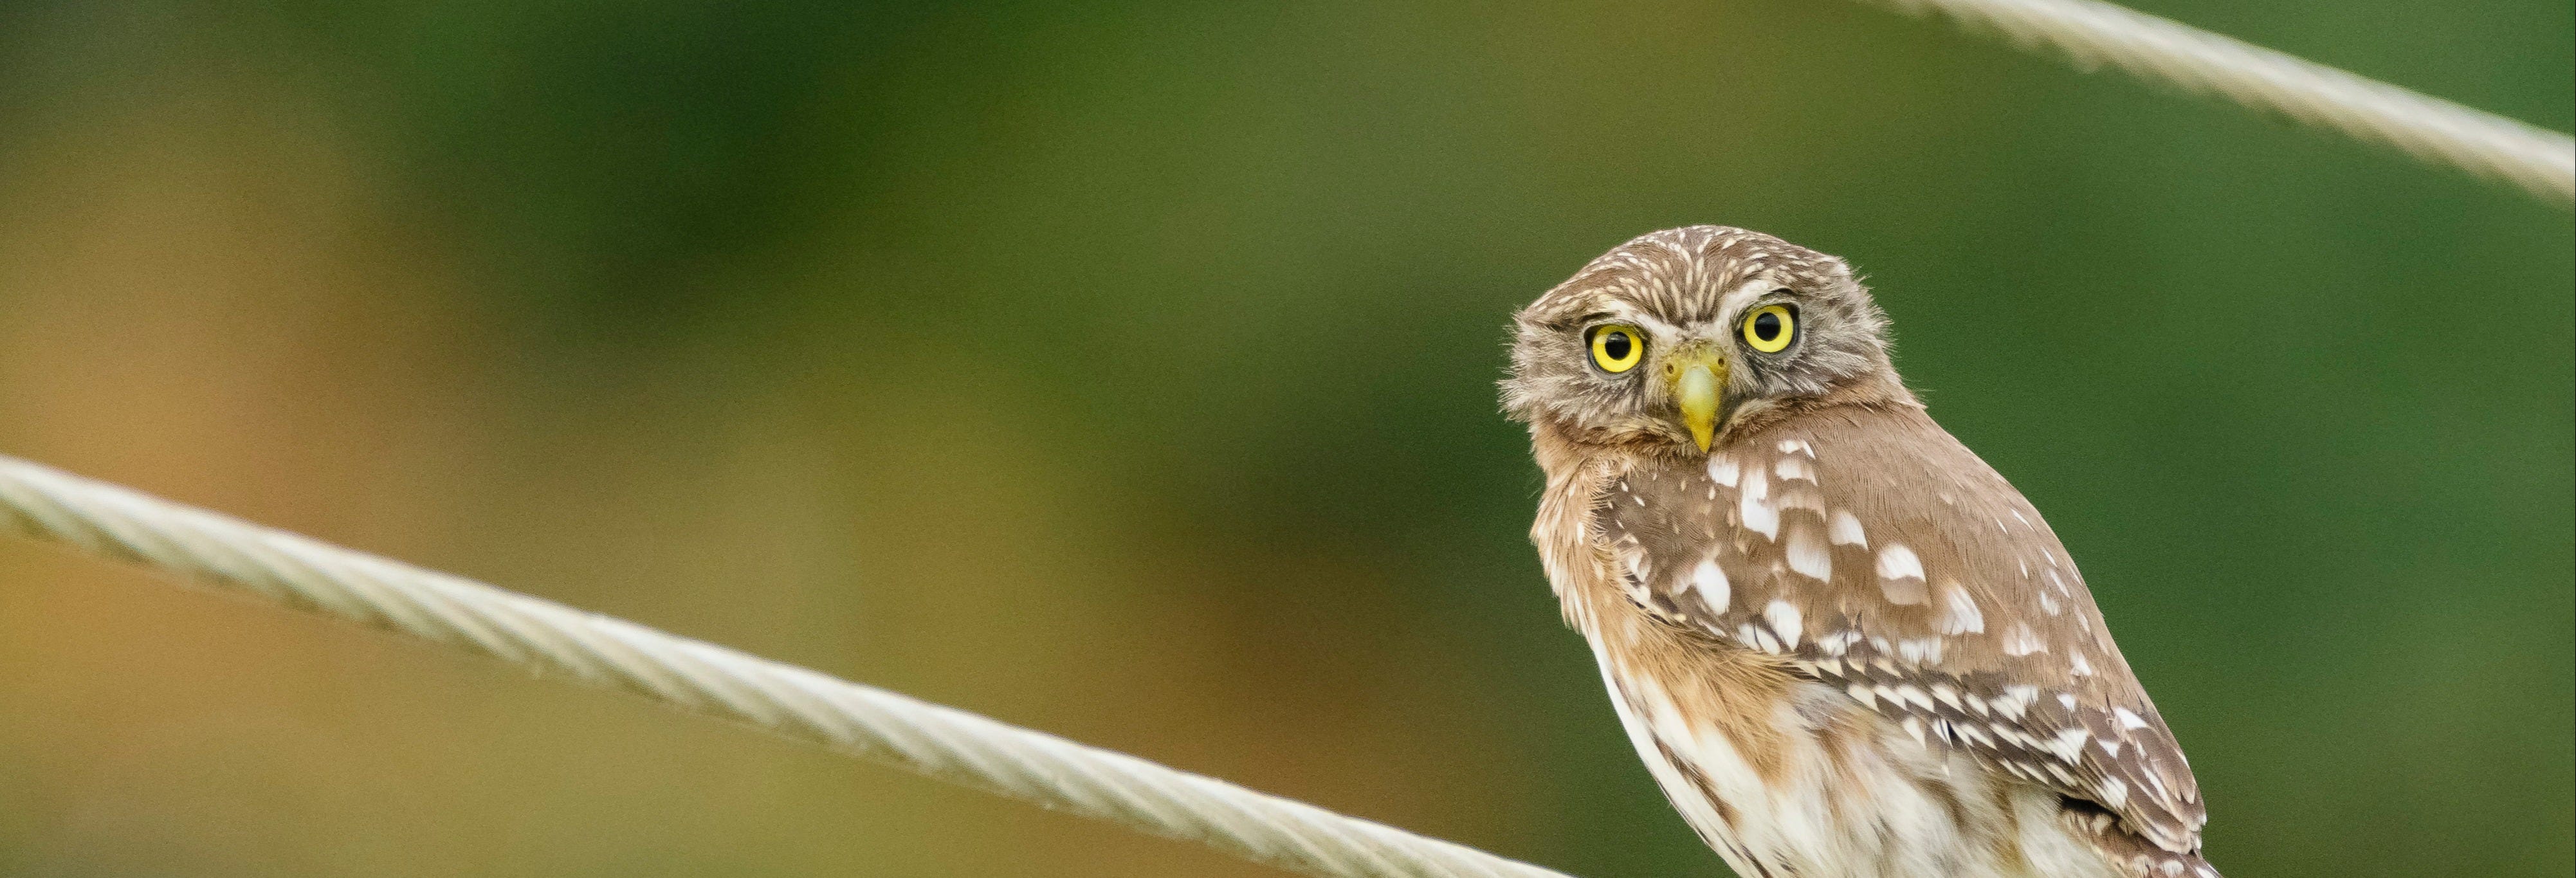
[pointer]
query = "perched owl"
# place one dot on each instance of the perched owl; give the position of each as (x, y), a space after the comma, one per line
(1844, 646)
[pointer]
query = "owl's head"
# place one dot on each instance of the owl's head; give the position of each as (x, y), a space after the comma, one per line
(1679, 337)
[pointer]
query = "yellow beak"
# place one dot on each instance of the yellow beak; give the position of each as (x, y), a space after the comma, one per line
(1697, 385)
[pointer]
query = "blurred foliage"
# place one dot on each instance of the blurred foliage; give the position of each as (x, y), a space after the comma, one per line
(1125, 370)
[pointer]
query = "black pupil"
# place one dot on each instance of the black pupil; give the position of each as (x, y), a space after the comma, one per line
(1766, 326)
(1616, 345)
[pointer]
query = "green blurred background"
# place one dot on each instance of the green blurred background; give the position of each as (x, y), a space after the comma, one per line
(1126, 370)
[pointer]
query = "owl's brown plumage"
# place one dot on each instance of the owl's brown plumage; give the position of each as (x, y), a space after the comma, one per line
(1843, 644)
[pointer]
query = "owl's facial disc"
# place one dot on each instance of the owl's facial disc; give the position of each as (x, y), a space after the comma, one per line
(1696, 377)
(1674, 340)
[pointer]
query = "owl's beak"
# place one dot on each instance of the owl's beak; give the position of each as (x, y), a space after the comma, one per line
(1697, 389)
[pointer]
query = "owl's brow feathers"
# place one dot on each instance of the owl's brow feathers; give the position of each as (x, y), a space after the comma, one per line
(1669, 275)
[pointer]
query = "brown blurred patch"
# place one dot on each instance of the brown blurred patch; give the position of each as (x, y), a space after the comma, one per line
(205, 301)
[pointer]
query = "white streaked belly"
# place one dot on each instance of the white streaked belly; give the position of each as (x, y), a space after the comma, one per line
(1856, 797)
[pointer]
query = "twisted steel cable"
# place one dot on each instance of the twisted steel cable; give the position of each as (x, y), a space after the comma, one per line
(2093, 33)
(704, 678)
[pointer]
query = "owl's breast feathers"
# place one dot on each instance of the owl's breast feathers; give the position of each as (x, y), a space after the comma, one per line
(1867, 550)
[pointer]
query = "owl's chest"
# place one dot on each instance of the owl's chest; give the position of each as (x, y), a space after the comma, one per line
(1624, 535)
(1717, 726)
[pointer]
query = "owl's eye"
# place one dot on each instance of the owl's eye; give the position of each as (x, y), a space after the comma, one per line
(1769, 328)
(1617, 348)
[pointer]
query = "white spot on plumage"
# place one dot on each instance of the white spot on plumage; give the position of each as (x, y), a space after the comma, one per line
(1786, 620)
(2068, 743)
(1710, 582)
(1721, 469)
(1794, 469)
(1959, 613)
(1797, 446)
(2080, 665)
(2114, 792)
(1897, 562)
(2015, 700)
(1837, 643)
(2010, 735)
(2129, 721)
(1753, 505)
(1843, 529)
(1808, 554)
(1920, 651)
(2019, 640)
(2048, 604)
(1900, 574)
(1975, 736)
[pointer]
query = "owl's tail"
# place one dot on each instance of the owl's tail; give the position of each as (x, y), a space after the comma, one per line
(2166, 864)
(2132, 855)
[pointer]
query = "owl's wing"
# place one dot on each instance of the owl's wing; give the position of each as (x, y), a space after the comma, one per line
(1885, 559)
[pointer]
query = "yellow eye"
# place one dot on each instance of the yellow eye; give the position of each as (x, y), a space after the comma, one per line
(1617, 348)
(1769, 328)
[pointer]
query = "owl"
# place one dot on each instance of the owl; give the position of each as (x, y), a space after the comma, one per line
(1844, 646)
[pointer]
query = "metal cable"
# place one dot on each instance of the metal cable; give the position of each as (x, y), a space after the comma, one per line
(2540, 161)
(938, 741)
